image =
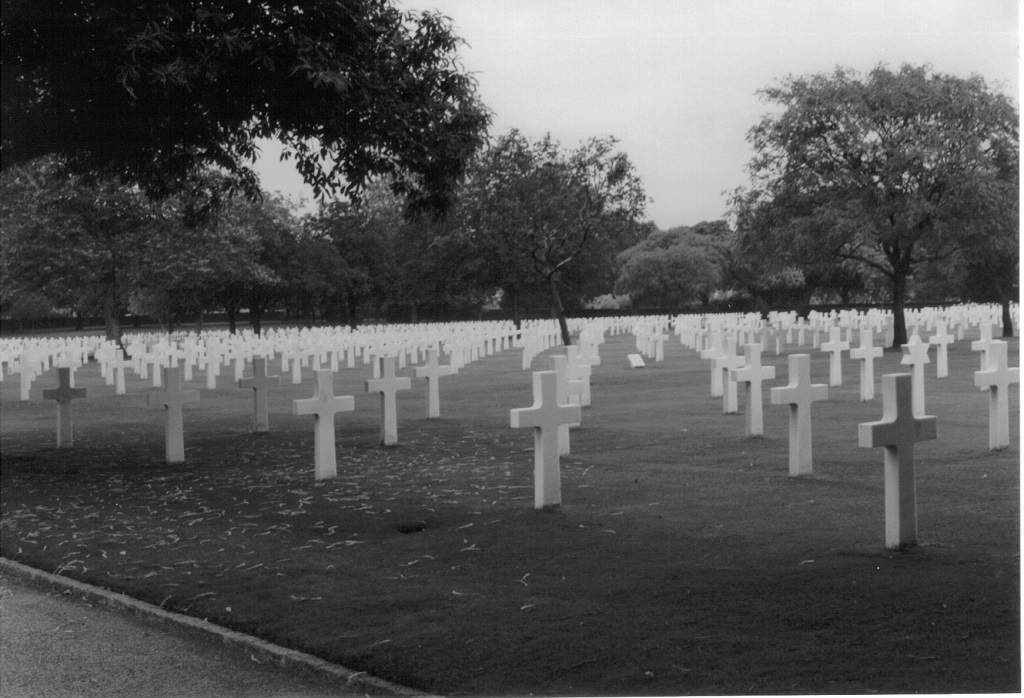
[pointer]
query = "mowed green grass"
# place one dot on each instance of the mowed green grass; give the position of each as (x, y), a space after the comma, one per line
(684, 559)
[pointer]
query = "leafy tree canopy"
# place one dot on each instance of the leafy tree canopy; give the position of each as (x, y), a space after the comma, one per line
(149, 91)
(543, 211)
(891, 171)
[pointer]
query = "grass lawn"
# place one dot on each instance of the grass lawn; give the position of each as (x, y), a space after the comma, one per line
(684, 559)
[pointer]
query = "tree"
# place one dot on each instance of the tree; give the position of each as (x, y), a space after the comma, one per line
(894, 171)
(669, 269)
(71, 239)
(267, 259)
(152, 91)
(536, 207)
(86, 244)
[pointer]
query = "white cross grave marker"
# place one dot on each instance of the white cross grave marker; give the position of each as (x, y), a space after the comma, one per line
(835, 348)
(725, 363)
(866, 353)
(117, 366)
(567, 390)
(983, 343)
(898, 431)
(388, 385)
(752, 374)
(998, 378)
(712, 352)
(433, 371)
(799, 395)
(323, 406)
(259, 383)
(942, 340)
(173, 398)
(63, 394)
(915, 355)
(545, 416)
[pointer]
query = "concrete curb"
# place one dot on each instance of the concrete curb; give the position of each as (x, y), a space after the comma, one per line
(353, 680)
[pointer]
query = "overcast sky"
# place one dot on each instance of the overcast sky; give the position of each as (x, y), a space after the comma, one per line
(676, 80)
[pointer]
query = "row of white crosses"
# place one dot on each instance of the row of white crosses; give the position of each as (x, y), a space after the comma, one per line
(465, 341)
(903, 423)
(556, 408)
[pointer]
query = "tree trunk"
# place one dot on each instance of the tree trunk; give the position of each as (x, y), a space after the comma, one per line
(559, 310)
(112, 316)
(899, 299)
(517, 319)
(256, 318)
(1004, 300)
(199, 321)
(232, 312)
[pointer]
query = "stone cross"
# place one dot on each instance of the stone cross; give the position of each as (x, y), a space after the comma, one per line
(323, 406)
(388, 385)
(63, 394)
(259, 383)
(173, 398)
(211, 362)
(752, 374)
(577, 370)
(983, 342)
(997, 378)
(27, 372)
(942, 340)
(835, 347)
(725, 363)
(799, 395)
(898, 431)
(159, 362)
(712, 352)
(915, 355)
(567, 390)
(433, 371)
(866, 353)
(116, 367)
(545, 416)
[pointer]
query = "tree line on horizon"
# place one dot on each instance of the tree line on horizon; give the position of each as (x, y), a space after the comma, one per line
(128, 134)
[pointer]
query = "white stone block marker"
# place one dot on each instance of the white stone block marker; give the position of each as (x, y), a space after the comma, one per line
(433, 371)
(835, 347)
(545, 416)
(64, 394)
(897, 432)
(173, 398)
(259, 383)
(752, 375)
(323, 406)
(866, 353)
(915, 355)
(799, 395)
(388, 386)
(998, 378)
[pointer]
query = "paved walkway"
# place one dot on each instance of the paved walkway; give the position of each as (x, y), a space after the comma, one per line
(57, 641)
